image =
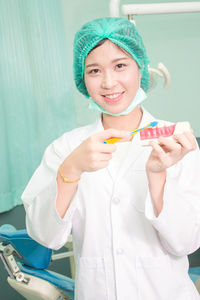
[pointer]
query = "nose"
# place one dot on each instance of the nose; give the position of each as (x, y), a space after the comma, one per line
(108, 80)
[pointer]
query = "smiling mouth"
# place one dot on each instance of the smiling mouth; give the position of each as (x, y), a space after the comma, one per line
(113, 98)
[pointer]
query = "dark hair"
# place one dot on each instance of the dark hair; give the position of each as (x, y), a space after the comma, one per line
(101, 42)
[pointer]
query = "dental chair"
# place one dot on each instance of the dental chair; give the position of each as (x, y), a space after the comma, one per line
(27, 264)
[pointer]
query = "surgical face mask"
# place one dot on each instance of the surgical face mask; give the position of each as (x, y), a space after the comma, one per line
(139, 98)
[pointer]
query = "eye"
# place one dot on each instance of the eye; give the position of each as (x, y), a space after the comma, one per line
(120, 66)
(93, 71)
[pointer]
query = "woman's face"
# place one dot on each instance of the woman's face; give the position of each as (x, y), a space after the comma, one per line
(112, 77)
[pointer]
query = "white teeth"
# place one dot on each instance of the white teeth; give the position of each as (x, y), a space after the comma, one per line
(112, 96)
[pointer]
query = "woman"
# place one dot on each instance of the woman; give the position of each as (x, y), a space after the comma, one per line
(133, 211)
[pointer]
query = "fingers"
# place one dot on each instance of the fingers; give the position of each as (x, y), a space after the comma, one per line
(157, 147)
(180, 144)
(187, 140)
(169, 145)
(99, 161)
(107, 148)
(103, 164)
(110, 133)
(99, 138)
(126, 139)
(105, 157)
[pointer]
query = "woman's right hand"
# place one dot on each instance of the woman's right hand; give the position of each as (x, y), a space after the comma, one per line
(92, 154)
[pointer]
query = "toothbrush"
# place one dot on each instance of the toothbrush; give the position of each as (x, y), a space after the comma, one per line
(115, 139)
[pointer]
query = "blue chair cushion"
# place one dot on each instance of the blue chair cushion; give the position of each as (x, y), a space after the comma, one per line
(32, 253)
(194, 273)
(64, 283)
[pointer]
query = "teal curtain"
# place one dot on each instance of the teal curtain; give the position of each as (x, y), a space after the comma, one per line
(36, 100)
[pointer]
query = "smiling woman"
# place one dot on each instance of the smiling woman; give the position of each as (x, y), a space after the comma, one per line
(132, 210)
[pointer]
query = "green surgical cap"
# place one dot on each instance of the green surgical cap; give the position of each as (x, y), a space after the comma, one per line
(120, 31)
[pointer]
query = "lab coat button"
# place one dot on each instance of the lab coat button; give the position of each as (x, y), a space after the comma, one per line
(116, 200)
(119, 251)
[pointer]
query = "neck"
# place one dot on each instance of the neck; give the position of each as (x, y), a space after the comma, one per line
(128, 122)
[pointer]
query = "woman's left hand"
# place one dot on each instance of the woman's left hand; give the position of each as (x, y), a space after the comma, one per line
(165, 154)
(168, 152)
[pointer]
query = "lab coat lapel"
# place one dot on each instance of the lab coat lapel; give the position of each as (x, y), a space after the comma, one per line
(134, 152)
(94, 128)
(111, 169)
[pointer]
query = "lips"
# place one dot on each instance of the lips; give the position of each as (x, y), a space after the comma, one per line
(113, 98)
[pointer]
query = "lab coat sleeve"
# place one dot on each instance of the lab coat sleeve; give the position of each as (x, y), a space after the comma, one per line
(178, 224)
(39, 198)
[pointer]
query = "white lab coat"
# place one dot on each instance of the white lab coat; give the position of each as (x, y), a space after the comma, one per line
(122, 250)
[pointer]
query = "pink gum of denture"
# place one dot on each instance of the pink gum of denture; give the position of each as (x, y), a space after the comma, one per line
(152, 134)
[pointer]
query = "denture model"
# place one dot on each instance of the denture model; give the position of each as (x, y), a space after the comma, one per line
(163, 129)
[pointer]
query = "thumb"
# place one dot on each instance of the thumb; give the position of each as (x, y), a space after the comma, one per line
(114, 133)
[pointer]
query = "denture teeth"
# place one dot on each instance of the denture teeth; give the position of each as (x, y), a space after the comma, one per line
(153, 133)
(165, 130)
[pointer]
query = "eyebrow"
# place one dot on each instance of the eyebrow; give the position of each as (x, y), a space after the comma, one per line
(113, 61)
